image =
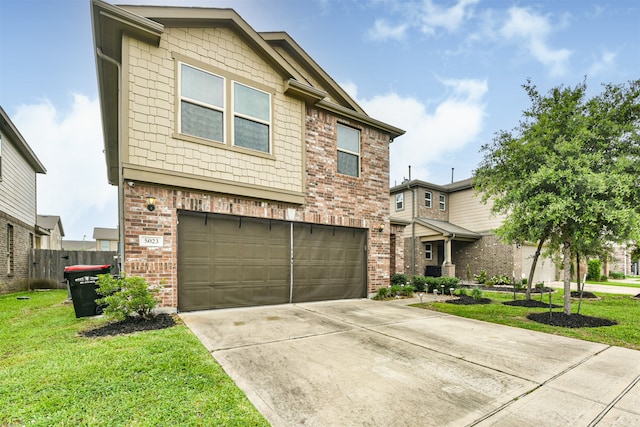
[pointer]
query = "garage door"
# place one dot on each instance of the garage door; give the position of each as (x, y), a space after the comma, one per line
(233, 261)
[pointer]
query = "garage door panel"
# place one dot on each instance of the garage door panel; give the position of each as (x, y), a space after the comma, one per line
(329, 262)
(231, 261)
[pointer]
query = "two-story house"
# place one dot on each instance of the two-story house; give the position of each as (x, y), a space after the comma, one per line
(19, 167)
(246, 175)
(446, 230)
(106, 238)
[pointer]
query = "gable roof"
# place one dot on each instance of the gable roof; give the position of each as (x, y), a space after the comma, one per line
(147, 23)
(49, 222)
(9, 129)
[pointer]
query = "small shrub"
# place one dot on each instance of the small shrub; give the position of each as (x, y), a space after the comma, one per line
(524, 282)
(604, 279)
(594, 267)
(419, 283)
(383, 293)
(481, 278)
(438, 282)
(502, 280)
(399, 279)
(616, 275)
(462, 292)
(126, 295)
(476, 294)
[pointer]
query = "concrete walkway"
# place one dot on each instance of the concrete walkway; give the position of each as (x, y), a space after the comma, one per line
(369, 363)
(606, 289)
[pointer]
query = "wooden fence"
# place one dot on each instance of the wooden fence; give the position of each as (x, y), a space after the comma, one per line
(47, 266)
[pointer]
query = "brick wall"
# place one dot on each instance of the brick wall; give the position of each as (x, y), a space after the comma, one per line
(331, 198)
(488, 254)
(22, 243)
(434, 212)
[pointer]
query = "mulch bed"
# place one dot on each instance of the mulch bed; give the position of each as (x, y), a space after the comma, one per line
(467, 300)
(131, 325)
(585, 295)
(570, 320)
(529, 303)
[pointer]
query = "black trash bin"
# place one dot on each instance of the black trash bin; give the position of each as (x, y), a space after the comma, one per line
(81, 280)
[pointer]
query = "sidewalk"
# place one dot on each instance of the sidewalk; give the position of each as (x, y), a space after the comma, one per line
(621, 290)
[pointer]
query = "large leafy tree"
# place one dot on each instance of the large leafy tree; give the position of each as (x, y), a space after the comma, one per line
(569, 173)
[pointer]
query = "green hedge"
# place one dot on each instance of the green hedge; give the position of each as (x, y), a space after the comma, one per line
(428, 284)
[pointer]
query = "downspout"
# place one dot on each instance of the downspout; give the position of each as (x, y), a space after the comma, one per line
(120, 174)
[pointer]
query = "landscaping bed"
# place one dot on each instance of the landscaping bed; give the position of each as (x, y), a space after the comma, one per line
(131, 325)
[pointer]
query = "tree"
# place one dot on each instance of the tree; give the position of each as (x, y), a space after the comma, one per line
(569, 173)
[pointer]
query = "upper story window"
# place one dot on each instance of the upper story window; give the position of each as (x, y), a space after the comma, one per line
(443, 202)
(104, 245)
(399, 201)
(251, 118)
(348, 151)
(209, 103)
(427, 199)
(201, 103)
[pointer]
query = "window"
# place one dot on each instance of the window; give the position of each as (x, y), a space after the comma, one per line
(9, 249)
(104, 245)
(399, 201)
(427, 199)
(428, 251)
(251, 118)
(348, 151)
(201, 103)
(443, 202)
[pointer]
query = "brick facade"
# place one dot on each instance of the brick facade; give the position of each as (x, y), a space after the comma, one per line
(22, 242)
(332, 198)
(487, 254)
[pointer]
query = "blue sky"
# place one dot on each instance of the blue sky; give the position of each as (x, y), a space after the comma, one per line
(449, 72)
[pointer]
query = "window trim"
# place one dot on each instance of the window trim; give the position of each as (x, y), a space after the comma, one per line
(401, 202)
(443, 202)
(235, 114)
(428, 201)
(428, 251)
(358, 154)
(181, 98)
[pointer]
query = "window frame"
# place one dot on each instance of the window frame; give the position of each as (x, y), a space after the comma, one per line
(428, 251)
(400, 201)
(347, 151)
(10, 249)
(222, 109)
(247, 117)
(428, 201)
(443, 202)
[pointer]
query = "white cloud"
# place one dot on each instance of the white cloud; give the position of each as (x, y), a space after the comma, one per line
(70, 146)
(435, 16)
(603, 64)
(382, 31)
(430, 135)
(533, 29)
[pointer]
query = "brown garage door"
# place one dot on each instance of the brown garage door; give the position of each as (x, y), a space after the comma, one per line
(232, 261)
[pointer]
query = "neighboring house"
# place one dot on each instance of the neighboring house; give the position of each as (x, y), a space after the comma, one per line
(446, 230)
(49, 232)
(79, 245)
(620, 260)
(246, 175)
(19, 167)
(106, 239)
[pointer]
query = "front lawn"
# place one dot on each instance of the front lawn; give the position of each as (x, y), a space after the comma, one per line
(623, 309)
(52, 376)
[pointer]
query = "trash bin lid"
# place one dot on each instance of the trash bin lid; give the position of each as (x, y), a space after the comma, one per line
(87, 267)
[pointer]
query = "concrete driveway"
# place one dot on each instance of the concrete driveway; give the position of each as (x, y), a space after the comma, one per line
(369, 363)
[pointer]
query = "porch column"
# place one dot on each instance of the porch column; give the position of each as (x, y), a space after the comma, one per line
(448, 268)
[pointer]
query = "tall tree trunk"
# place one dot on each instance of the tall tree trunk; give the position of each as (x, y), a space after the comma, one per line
(567, 276)
(533, 268)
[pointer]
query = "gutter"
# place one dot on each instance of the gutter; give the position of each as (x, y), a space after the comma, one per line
(121, 233)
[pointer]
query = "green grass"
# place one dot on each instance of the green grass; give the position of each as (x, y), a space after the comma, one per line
(51, 376)
(622, 309)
